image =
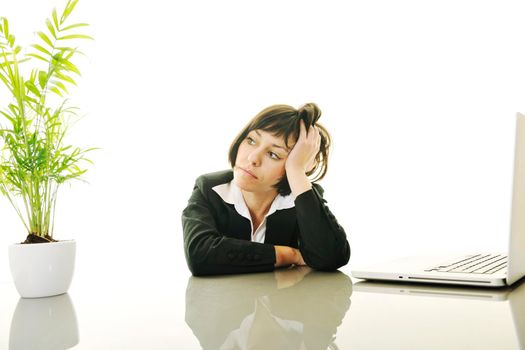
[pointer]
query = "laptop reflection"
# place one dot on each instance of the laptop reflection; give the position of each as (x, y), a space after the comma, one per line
(419, 316)
(294, 308)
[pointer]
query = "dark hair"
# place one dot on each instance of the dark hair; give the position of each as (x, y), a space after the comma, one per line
(283, 121)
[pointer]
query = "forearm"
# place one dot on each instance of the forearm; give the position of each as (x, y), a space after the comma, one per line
(323, 242)
(211, 255)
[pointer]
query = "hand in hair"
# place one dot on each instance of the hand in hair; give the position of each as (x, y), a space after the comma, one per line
(301, 159)
(302, 156)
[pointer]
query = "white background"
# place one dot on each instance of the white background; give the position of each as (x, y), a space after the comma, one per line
(420, 98)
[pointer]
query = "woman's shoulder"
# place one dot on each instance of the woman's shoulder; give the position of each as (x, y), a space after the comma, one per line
(317, 188)
(210, 180)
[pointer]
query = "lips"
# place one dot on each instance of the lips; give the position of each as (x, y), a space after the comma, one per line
(249, 172)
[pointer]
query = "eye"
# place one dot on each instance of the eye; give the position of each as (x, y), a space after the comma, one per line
(250, 140)
(274, 156)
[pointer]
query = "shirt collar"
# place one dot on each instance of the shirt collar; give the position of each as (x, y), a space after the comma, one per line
(231, 193)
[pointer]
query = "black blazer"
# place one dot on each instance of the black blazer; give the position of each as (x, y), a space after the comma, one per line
(217, 239)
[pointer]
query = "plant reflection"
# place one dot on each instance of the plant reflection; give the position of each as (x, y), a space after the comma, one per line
(44, 323)
(295, 308)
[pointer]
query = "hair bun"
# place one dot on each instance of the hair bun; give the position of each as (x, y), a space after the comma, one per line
(310, 113)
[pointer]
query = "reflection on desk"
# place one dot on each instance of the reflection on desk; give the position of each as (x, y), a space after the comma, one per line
(405, 316)
(44, 323)
(294, 308)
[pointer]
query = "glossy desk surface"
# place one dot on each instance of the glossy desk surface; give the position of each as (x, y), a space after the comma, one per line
(288, 309)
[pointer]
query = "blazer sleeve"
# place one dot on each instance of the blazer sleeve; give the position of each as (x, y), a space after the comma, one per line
(322, 241)
(208, 251)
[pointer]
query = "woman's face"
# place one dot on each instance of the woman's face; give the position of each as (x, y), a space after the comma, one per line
(260, 162)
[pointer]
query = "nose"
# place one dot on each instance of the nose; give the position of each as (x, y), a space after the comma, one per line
(255, 158)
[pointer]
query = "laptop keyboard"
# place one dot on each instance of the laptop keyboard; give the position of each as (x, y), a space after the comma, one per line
(479, 263)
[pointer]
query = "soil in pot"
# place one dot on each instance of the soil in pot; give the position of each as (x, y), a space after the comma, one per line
(32, 238)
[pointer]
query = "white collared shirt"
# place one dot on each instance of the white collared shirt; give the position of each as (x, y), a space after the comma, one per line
(231, 193)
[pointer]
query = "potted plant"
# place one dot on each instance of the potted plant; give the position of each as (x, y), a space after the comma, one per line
(34, 159)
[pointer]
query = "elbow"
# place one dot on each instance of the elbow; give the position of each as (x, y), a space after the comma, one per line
(329, 261)
(326, 265)
(196, 253)
(196, 268)
(195, 264)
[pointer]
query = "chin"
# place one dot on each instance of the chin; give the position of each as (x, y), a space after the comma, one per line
(245, 185)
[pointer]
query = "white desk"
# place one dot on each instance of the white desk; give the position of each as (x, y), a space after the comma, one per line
(281, 310)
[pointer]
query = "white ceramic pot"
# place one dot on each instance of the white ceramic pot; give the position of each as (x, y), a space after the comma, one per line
(42, 269)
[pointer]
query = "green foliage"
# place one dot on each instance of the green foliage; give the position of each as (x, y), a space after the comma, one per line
(34, 161)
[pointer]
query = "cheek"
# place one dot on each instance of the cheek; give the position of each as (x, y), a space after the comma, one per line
(240, 154)
(277, 171)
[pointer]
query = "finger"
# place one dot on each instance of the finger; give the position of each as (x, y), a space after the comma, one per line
(302, 131)
(316, 136)
(312, 134)
(315, 132)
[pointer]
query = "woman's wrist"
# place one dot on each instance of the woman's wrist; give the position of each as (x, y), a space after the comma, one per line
(298, 181)
(285, 256)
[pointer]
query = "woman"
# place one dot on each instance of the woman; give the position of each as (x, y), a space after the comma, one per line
(266, 213)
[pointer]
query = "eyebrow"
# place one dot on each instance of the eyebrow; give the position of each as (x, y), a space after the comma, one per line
(274, 145)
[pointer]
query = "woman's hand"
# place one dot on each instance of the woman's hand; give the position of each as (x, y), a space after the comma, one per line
(302, 159)
(302, 156)
(285, 256)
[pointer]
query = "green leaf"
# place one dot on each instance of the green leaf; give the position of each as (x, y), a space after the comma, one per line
(6, 27)
(5, 80)
(9, 63)
(78, 25)
(67, 11)
(42, 79)
(70, 66)
(31, 87)
(66, 49)
(45, 38)
(56, 91)
(30, 99)
(75, 36)
(51, 29)
(32, 77)
(65, 78)
(60, 85)
(41, 49)
(11, 40)
(37, 57)
(6, 63)
(8, 117)
(55, 19)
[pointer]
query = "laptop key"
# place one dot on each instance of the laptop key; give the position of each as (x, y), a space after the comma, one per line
(488, 262)
(453, 262)
(504, 266)
(478, 264)
(495, 265)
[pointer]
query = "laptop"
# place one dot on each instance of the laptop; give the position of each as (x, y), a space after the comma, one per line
(477, 269)
(423, 316)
